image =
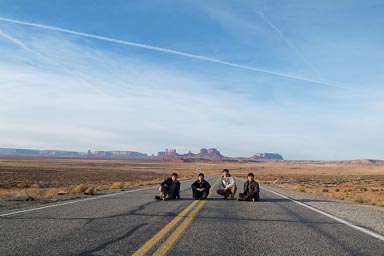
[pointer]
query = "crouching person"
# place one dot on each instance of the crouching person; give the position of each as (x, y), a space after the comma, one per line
(200, 188)
(227, 185)
(169, 188)
(251, 189)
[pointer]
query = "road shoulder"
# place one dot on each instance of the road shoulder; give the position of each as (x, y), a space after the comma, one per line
(370, 217)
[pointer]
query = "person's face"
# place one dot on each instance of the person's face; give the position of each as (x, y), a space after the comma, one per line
(174, 178)
(200, 178)
(225, 174)
(250, 178)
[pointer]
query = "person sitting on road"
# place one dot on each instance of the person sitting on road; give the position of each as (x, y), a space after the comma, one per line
(251, 189)
(227, 185)
(169, 188)
(200, 188)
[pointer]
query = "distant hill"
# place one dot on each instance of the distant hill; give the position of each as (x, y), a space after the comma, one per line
(214, 154)
(62, 153)
(169, 154)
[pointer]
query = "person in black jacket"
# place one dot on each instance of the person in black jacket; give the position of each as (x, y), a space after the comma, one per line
(200, 188)
(169, 188)
(251, 189)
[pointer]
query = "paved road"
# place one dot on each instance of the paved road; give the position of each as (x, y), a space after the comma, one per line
(132, 221)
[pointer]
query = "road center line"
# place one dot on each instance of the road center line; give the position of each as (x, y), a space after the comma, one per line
(151, 242)
(349, 224)
(167, 245)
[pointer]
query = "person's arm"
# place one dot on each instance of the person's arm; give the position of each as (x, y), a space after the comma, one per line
(231, 183)
(162, 184)
(245, 187)
(257, 189)
(166, 181)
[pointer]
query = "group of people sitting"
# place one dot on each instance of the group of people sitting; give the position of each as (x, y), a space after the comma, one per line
(170, 188)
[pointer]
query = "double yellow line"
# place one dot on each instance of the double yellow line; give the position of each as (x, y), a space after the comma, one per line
(167, 245)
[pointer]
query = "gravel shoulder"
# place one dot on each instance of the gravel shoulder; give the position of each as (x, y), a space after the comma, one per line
(370, 217)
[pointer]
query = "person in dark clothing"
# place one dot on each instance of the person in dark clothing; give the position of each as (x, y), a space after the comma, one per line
(251, 189)
(200, 188)
(169, 188)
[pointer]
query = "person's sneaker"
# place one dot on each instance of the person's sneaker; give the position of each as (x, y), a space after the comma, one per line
(157, 197)
(253, 200)
(225, 197)
(232, 197)
(240, 199)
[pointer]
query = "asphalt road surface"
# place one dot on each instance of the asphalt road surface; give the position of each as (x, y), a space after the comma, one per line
(133, 223)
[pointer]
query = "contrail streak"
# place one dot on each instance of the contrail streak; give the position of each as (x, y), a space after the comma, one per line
(25, 47)
(14, 40)
(273, 26)
(174, 52)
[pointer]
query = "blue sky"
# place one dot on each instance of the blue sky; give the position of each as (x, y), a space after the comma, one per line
(320, 97)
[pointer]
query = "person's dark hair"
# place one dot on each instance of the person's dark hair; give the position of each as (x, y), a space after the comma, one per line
(174, 174)
(226, 170)
(251, 174)
(201, 174)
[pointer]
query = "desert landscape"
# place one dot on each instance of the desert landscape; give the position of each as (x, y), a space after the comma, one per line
(53, 179)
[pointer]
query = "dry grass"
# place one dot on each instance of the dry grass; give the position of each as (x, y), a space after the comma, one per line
(45, 177)
(81, 188)
(117, 185)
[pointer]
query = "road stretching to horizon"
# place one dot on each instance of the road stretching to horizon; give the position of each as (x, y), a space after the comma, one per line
(133, 223)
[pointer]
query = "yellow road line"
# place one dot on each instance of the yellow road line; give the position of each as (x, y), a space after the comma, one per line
(151, 242)
(166, 246)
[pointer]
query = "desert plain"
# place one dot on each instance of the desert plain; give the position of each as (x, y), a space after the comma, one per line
(54, 179)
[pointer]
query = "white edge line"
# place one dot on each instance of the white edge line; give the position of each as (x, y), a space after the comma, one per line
(75, 201)
(349, 224)
(81, 200)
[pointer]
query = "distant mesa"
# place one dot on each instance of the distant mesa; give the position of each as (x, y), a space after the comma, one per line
(214, 154)
(204, 153)
(117, 154)
(267, 156)
(364, 162)
(210, 154)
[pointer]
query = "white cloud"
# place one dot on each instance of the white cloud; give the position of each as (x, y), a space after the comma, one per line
(76, 97)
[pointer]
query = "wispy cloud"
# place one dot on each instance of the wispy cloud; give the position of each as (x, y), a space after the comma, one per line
(142, 104)
(14, 40)
(179, 53)
(289, 43)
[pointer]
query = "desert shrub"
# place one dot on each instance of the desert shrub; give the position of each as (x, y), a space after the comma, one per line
(337, 190)
(102, 187)
(360, 200)
(22, 185)
(325, 190)
(79, 189)
(35, 186)
(90, 191)
(117, 185)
